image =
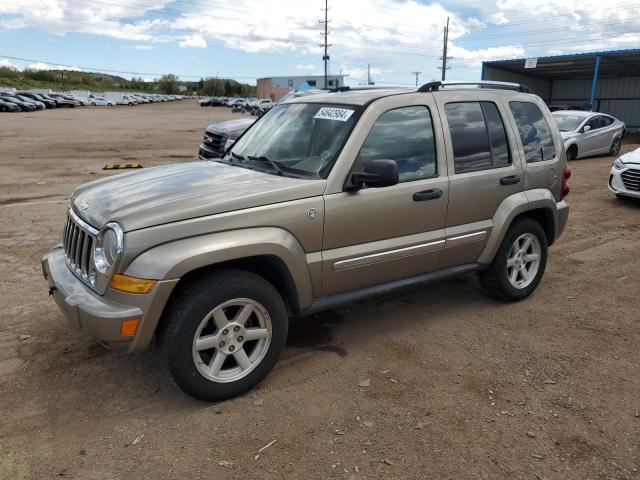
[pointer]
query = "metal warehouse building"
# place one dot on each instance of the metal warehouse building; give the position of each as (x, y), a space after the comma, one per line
(607, 82)
(276, 87)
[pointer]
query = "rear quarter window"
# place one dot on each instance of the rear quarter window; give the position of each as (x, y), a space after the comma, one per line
(534, 131)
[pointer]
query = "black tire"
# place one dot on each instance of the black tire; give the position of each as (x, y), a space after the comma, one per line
(93, 104)
(572, 153)
(189, 306)
(615, 147)
(495, 278)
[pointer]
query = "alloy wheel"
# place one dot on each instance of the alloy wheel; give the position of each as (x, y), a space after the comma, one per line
(231, 340)
(524, 260)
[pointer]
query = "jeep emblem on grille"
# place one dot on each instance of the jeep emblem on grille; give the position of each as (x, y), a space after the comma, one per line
(84, 205)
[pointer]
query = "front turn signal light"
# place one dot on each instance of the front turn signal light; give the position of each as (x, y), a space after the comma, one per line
(124, 283)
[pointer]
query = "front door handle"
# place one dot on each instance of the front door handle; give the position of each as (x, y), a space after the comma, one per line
(427, 195)
(510, 180)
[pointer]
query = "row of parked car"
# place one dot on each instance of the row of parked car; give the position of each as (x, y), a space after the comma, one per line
(31, 101)
(254, 106)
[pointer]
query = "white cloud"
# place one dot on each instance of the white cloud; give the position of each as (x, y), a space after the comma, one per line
(193, 41)
(39, 66)
(46, 66)
(395, 36)
(5, 63)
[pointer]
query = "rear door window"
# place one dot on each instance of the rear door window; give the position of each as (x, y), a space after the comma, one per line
(534, 131)
(478, 136)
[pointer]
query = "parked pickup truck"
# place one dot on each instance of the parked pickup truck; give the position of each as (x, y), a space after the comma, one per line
(220, 136)
(327, 199)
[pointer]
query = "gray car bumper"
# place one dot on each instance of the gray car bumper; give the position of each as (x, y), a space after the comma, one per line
(563, 215)
(101, 317)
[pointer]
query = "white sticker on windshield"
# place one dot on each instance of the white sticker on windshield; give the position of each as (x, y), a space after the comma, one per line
(329, 113)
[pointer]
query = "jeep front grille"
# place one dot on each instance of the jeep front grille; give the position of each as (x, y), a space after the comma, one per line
(214, 141)
(631, 179)
(78, 239)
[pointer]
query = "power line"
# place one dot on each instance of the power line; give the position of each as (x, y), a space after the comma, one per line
(123, 72)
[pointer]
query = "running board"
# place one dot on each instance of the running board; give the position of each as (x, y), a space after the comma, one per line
(340, 299)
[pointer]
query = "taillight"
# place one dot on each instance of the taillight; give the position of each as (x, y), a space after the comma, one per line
(565, 182)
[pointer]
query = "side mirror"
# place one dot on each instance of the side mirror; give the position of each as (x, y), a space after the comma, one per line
(586, 128)
(377, 173)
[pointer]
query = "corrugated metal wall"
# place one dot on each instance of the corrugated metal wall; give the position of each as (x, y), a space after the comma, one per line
(541, 88)
(619, 96)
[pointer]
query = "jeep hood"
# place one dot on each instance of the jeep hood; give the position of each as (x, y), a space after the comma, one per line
(170, 193)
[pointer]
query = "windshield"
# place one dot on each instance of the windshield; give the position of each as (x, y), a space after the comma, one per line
(568, 123)
(302, 138)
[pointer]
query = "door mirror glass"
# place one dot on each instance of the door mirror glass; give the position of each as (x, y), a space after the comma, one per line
(586, 128)
(377, 173)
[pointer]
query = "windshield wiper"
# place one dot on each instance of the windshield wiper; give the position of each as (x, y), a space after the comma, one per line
(237, 157)
(264, 159)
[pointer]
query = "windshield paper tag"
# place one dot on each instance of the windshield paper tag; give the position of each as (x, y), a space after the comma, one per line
(339, 114)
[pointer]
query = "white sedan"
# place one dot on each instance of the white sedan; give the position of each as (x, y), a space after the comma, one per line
(624, 179)
(99, 101)
(589, 133)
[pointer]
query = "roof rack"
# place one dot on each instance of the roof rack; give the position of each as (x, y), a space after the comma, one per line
(347, 88)
(433, 86)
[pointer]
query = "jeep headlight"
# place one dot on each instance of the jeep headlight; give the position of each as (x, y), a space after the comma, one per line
(107, 251)
(619, 164)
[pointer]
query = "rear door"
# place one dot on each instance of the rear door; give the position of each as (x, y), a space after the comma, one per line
(483, 170)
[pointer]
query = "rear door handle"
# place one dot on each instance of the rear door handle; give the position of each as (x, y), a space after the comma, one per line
(427, 195)
(510, 180)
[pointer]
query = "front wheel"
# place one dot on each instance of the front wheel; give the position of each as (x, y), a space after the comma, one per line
(615, 147)
(223, 333)
(519, 264)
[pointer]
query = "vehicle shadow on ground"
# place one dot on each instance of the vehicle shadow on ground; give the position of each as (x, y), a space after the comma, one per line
(124, 382)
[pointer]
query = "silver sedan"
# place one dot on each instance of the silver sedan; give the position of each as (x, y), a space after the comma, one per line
(589, 133)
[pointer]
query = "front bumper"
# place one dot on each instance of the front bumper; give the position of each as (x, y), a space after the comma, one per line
(617, 186)
(101, 317)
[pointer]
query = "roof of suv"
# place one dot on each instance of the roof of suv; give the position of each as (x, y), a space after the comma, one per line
(366, 94)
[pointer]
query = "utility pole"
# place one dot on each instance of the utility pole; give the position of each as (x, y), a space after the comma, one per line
(444, 67)
(369, 82)
(417, 74)
(326, 45)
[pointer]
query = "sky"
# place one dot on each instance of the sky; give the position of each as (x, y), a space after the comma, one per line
(249, 39)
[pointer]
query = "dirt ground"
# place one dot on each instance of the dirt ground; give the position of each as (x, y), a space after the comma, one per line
(459, 386)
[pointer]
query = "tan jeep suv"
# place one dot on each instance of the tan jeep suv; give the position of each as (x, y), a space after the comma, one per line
(327, 199)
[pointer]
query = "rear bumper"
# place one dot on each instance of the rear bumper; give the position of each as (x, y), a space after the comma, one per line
(101, 317)
(563, 216)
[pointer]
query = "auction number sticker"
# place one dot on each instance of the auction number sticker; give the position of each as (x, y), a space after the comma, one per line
(330, 113)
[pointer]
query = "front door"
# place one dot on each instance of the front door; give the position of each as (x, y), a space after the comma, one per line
(378, 235)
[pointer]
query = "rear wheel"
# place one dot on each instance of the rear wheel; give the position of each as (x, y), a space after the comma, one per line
(520, 262)
(223, 334)
(615, 146)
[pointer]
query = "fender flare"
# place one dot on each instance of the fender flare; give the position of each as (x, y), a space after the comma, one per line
(175, 259)
(509, 209)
